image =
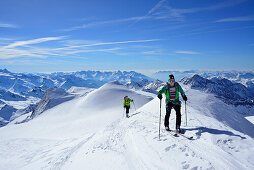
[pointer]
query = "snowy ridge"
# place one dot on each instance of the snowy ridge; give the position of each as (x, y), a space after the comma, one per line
(10, 96)
(51, 98)
(89, 132)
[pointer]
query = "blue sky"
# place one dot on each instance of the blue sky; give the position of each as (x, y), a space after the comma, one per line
(143, 35)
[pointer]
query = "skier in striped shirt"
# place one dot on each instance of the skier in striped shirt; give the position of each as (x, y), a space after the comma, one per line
(171, 91)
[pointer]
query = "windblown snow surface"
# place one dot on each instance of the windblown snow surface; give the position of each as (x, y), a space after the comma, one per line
(91, 132)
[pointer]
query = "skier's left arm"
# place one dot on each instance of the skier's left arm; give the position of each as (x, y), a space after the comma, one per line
(182, 93)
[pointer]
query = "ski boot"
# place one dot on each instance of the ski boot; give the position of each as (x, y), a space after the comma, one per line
(167, 128)
(178, 129)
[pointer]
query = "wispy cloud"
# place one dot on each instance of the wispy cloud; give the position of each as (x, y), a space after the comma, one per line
(162, 10)
(107, 43)
(187, 52)
(93, 50)
(150, 15)
(218, 6)
(236, 19)
(34, 41)
(196, 32)
(150, 12)
(7, 25)
(16, 49)
(180, 13)
(150, 52)
(5, 39)
(108, 22)
(153, 51)
(15, 53)
(27, 49)
(33, 62)
(157, 6)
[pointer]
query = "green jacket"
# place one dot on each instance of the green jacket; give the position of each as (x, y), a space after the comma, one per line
(166, 91)
(127, 102)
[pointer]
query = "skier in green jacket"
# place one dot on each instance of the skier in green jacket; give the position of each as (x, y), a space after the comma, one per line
(171, 91)
(126, 105)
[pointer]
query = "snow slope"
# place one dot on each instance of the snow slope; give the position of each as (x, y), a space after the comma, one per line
(90, 132)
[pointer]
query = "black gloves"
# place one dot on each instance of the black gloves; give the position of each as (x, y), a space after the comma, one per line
(159, 96)
(184, 98)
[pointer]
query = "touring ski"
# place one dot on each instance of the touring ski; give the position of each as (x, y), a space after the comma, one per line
(177, 133)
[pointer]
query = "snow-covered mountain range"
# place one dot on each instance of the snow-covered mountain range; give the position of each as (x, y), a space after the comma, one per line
(30, 88)
(31, 84)
(21, 92)
(90, 131)
(244, 77)
(231, 93)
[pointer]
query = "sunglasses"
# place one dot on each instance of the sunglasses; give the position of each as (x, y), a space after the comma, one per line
(171, 81)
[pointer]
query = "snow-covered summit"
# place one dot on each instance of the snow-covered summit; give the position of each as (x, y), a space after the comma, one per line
(4, 71)
(116, 82)
(111, 96)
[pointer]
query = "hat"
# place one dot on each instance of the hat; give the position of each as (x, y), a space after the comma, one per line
(171, 76)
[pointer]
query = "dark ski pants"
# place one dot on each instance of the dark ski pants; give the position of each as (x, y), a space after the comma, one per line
(177, 108)
(127, 110)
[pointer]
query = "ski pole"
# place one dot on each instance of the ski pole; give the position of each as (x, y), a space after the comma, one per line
(123, 112)
(185, 114)
(134, 106)
(160, 121)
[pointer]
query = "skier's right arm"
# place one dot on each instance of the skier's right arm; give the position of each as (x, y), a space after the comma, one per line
(123, 103)
(159, 94)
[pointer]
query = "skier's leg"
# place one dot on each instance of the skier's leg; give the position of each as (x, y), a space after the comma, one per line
(168, 111)
(127, 111)
(178, 115)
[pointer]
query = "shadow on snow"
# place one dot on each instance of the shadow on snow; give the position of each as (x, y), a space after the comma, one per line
(213, 131)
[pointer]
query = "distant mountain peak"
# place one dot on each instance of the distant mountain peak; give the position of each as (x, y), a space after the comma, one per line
(51, 98)
(4, 71)
(231, 93)
(116, 82)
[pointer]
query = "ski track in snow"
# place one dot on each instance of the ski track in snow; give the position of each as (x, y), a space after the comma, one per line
(54, 153)
(134, 144)
(136, 140)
